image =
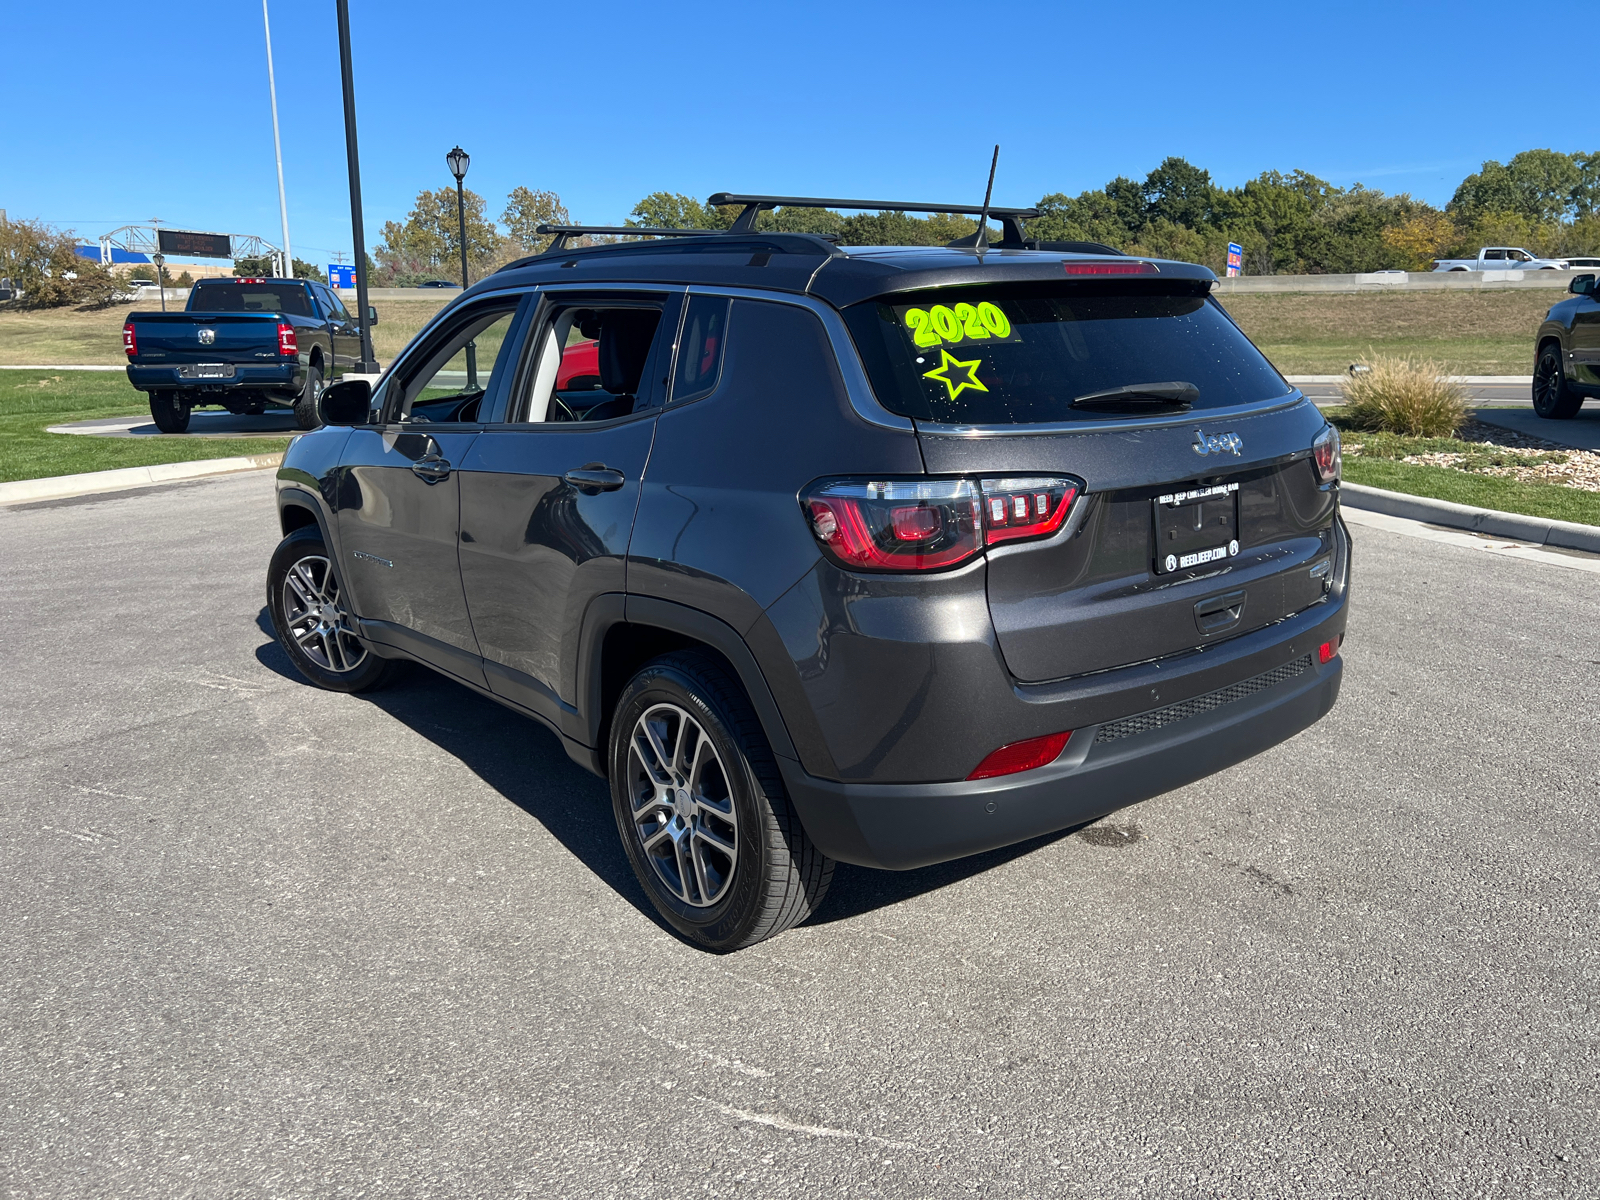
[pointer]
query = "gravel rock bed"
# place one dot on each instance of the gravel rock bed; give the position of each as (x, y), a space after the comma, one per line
(1548, 462)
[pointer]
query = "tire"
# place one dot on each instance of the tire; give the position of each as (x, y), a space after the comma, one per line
(1552, 398)
(305, 406)
(734, 799)
(313, 624)
(169, 412)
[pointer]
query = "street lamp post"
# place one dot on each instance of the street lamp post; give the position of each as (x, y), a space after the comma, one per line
(161, 284)
(459, 161)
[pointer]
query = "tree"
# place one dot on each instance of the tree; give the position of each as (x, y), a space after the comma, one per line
(43, 262)
(1540, 185)
(526, 210)
(673, 210)
(1422, 237)
(429, 243)
(1179, 192)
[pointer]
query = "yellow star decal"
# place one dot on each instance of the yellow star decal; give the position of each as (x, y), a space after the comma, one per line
(956, 386)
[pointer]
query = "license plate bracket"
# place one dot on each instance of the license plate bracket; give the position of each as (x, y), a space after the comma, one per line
(1195, 527)
(207, 371)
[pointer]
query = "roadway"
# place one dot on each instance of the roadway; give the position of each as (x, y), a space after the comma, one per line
(263, 940)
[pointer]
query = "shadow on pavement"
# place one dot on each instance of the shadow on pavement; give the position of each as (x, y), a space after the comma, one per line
(525, 763)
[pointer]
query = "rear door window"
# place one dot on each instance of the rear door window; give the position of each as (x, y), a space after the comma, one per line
(1031, 353)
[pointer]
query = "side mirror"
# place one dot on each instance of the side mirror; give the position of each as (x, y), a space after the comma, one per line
(348, 402)
(1581, 285)
(372, 315)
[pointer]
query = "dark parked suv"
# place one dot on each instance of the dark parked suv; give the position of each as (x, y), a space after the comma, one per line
(882, 555)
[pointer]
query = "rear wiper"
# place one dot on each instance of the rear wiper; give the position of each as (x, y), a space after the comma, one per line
(1141, 397)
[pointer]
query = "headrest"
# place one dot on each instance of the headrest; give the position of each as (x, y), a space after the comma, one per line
(625, 335)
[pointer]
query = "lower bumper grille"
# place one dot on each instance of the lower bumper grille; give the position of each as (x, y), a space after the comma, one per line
(1158, 718)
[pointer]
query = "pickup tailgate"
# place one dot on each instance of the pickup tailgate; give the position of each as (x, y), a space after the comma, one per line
(1251, 535)
(185, 337)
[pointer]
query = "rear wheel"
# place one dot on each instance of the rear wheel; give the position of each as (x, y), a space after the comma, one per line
(305, 406)
(1552, 398)
(169, 412)
(702, 810)
(312, 620)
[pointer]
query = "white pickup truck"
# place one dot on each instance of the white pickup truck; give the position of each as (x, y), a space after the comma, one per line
(1501, 258)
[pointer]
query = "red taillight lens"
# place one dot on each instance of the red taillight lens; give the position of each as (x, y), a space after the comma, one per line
(903, 525)
(1110, 268)
(130, 340)
(1022, 756)
(931, 524)
(1327, 650)
(288, 343)
(1025, 507)
(1326, 455)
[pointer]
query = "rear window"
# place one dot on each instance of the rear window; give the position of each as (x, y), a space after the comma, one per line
(1023, 353)
(249, 297)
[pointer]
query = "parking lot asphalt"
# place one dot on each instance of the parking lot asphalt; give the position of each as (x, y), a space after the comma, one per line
(266, 941)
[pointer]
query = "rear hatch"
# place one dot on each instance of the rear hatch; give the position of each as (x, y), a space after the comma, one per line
(1202, 515)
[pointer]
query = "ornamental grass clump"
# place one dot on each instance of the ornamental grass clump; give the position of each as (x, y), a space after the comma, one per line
(1403, 395)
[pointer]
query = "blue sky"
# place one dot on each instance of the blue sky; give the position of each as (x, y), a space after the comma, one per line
(166, 115)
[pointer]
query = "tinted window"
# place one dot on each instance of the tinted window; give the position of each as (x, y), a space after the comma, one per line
(700, 346)
(1022, 353)
(250, 297)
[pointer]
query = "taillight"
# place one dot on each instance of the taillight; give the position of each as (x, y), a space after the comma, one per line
(1326, 455)
(1110, 268)
(130, 341)
(288, 343)
(932, 524)
(1025, 507)
(904, 525)
(1327, 650)
(1022, 756)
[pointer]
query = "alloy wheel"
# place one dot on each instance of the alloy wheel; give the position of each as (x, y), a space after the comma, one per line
(682, 805)
(1547, 383)
(316, 618)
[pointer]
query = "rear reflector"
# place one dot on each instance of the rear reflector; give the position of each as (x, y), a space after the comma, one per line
(1327, 650)
(288, 341)
(1022, 756)
(130, 340)
(1110, 268)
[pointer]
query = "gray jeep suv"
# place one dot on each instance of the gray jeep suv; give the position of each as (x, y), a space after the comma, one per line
(874, 555)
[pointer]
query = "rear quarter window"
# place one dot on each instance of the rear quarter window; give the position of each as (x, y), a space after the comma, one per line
(1023, 353)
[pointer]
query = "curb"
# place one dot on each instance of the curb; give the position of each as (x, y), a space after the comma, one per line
(56, 367)
(1502, 380)
(59, 487)
(1541, 531)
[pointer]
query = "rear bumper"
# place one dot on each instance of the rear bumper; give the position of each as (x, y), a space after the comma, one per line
(901, 826)
(286, 376)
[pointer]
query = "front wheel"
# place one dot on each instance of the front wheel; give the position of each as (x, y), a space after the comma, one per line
(305, 406)
(169, 412)
(1552, 398)
(702, 811)
(312, 620)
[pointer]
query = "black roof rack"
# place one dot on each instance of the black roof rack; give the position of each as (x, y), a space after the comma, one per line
(563, 232)
(1010, 218)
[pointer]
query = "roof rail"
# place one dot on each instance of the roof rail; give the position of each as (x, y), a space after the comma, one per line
(563, 232)
(1010, 218)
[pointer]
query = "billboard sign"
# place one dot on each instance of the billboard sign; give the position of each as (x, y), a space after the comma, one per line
(341, 275)
(1235, 259)
(186, 243)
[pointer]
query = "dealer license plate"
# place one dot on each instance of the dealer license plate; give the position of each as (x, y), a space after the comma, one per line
(207, 371)
(1196, 528)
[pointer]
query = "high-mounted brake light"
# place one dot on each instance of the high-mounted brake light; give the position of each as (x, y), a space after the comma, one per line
(932, 524)
(1326, 455)
(288, 340)
(1022, 756)
(1110, 268)
(249, 281)
(130, 340)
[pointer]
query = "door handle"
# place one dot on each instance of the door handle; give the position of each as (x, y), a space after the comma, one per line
(595, 477)
(431, 468)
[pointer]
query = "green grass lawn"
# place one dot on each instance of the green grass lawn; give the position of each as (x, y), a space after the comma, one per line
(30, 401)
(1549, 500)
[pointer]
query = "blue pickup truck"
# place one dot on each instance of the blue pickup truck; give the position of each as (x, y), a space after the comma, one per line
(244, 344)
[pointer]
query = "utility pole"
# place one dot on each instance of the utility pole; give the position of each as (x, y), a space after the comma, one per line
(368, 364)
(277, 145)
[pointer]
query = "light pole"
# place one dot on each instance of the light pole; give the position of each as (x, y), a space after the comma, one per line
(277, 146)
(368, 364)
(459, 161)
(161, 284)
